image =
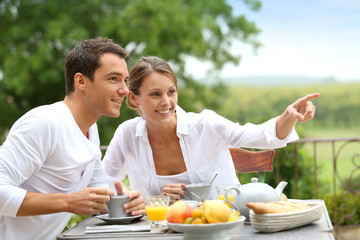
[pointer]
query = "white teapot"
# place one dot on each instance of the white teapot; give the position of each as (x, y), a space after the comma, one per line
(253, 192)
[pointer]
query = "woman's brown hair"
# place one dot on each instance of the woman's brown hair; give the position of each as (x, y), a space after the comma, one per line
(143, 67)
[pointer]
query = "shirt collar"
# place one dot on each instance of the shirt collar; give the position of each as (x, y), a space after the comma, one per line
(182, 121)
(141, 129)
(181, 128)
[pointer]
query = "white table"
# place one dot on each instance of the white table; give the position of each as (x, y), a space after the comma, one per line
(320, 230)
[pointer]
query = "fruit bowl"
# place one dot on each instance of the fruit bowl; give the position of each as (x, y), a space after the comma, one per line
(206, 231)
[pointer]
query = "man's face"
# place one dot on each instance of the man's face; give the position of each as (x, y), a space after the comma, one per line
(108, 89)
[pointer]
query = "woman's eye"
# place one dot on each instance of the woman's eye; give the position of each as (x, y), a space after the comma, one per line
(172, 92)
(154, 94)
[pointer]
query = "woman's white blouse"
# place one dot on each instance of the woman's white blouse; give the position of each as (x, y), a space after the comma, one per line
(204, 139)
(176, 178)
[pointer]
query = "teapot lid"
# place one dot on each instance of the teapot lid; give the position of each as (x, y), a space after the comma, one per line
(254, 180)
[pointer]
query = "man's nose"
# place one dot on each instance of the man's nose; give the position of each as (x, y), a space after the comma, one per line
(123, 89)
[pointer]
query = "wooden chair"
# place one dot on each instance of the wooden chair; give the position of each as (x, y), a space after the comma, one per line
(246, 161)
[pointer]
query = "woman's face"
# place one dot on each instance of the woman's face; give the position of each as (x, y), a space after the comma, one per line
(157, 98)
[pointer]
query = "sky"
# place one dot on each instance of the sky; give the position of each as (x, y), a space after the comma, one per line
(312, 38)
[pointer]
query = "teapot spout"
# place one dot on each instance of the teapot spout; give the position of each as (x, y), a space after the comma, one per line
(279, 189)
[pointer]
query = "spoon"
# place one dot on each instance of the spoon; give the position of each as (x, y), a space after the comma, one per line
(213, 178)
(172, 200)
(201, 198)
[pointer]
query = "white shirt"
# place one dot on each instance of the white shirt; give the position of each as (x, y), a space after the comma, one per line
(45, 152)
(176, 178)
(204, 140)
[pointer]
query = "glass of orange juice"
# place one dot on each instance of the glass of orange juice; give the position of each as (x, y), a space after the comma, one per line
(156, 209)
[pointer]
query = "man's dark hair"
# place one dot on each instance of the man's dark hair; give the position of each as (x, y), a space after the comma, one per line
(85, 58)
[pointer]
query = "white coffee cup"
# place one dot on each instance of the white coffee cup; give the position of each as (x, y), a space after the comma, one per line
(197, 191)
(115, 206)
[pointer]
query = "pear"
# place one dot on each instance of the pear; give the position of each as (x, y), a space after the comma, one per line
(216, 211)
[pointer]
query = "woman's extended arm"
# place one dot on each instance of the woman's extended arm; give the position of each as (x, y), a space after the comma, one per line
(302, 109)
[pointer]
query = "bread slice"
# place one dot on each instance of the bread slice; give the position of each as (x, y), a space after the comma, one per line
(276, 207)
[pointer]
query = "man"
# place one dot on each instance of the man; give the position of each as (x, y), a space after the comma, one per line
(50, 163)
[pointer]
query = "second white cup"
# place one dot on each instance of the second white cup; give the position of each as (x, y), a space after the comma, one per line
(115, 206)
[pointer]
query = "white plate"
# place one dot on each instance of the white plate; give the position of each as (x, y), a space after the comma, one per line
(122, 220)
(207, 231)
(274, 222)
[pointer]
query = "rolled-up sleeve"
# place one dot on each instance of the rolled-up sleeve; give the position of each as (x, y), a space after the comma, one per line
(11, 196)
(271, 138)
(23, 153)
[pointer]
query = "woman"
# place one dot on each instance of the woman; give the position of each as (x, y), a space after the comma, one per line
(166, 147)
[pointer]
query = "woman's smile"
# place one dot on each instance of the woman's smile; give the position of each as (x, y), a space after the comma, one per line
(166, 111)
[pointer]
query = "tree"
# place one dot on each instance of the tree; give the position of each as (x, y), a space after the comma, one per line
(36, 36)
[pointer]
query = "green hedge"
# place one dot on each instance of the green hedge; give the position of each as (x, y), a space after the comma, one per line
(75, 219)
(348, 207)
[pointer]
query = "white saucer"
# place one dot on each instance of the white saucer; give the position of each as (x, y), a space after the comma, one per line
(121, 220)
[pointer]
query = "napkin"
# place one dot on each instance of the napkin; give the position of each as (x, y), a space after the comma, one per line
(117, 228)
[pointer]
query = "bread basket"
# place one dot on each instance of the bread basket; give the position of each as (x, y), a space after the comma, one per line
(274, 222)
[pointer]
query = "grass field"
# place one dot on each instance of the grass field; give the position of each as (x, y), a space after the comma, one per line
(345, 152)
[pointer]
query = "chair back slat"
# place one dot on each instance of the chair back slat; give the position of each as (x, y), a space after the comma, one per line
(246, 161)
